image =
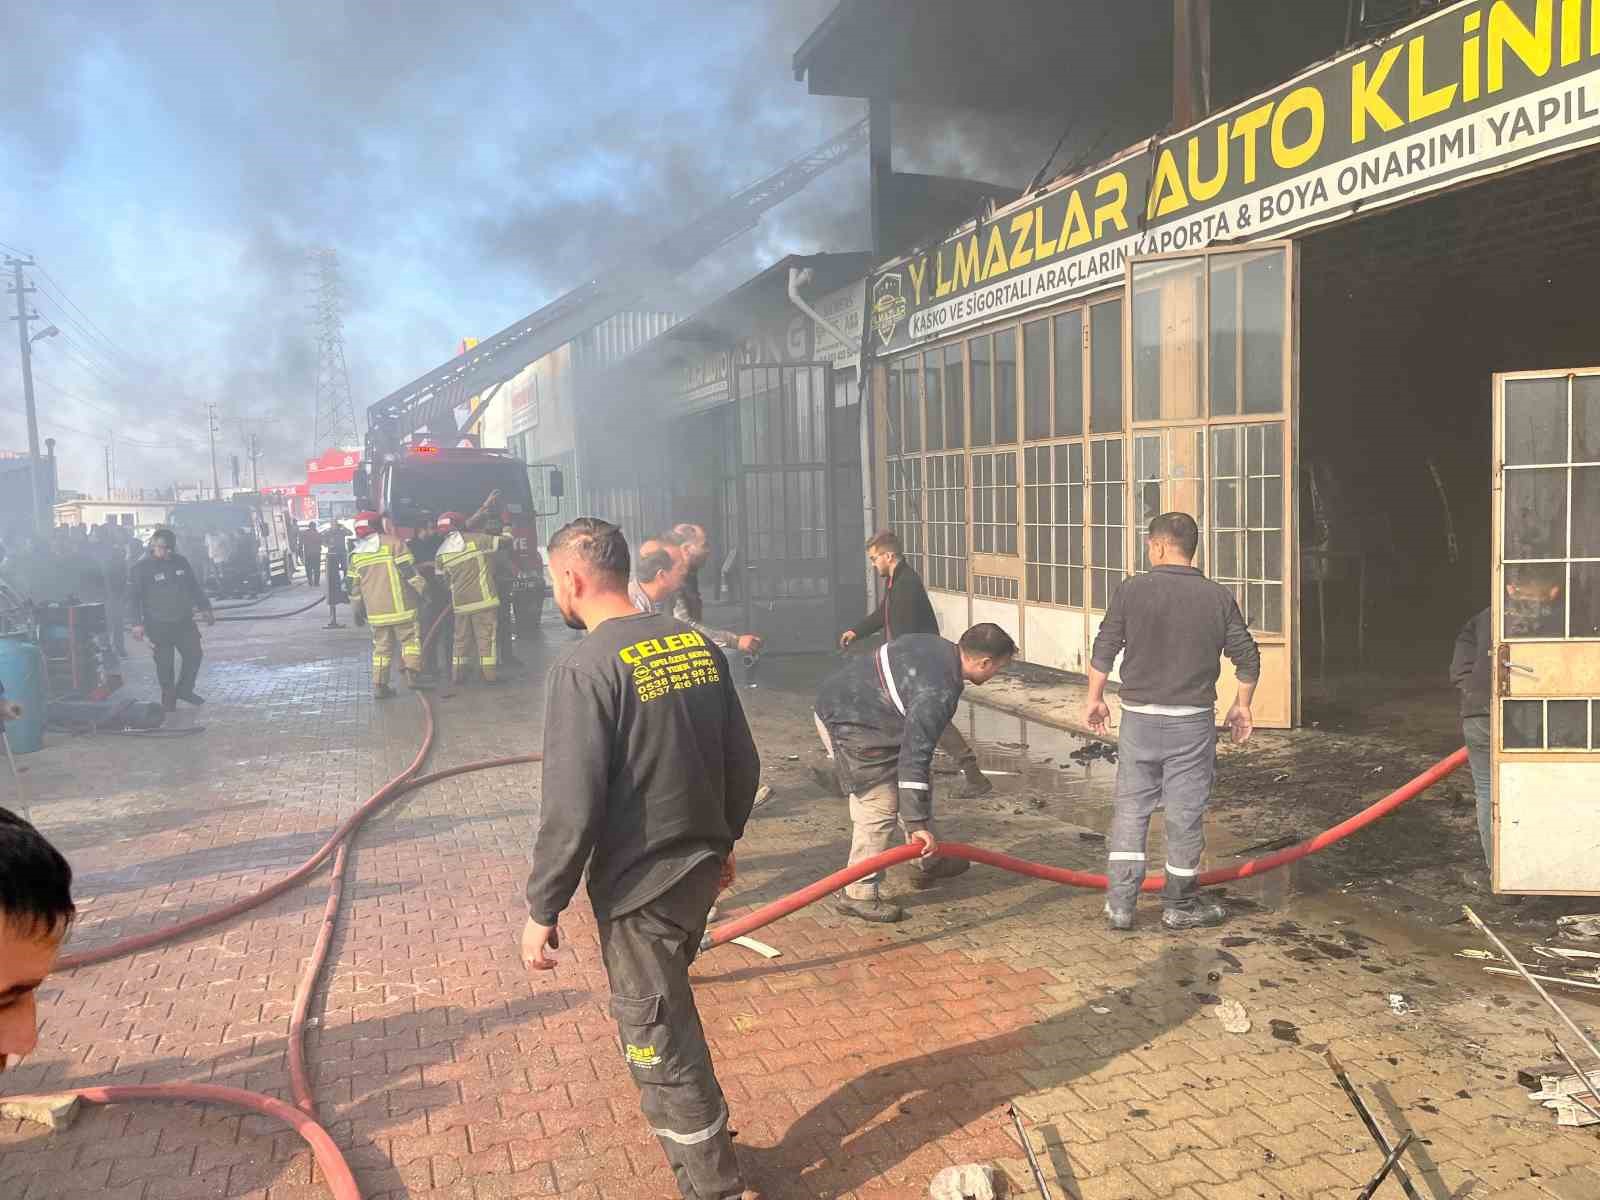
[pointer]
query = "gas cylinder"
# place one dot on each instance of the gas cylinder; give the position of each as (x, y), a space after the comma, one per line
(22, 673)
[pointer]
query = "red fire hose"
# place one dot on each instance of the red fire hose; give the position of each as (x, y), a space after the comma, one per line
(769, 913)
(341, 1182)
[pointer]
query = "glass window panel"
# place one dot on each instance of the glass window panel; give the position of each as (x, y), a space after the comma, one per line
(1535, 601)
(1585, 511)
(1586, 418)
(1036, 379)
(1228, 556)
(911, 394)
(1069, 374)
(1585, 600)
(1225, 451)
(1105, 365)
(1536, 513)
(1005, 387)
(1224, 337)
(980, 349)
(933, 399)
(955, 398)
(1535, 421)
(1227, 504)
(1263, 329)
(1567, 725)
(1521, 725)
(1167, 319)
(891, 406)
(1272, 561)
(1272, 607)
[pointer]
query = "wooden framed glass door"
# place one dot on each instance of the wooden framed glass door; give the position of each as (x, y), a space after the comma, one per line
(1212, 401)
(1545, 709)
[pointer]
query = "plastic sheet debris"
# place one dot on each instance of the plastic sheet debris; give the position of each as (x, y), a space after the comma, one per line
(1233, 1016)
(971, 1181)
(1402, 1005)
(1584, 925)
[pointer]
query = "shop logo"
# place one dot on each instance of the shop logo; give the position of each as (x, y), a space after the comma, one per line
(888, 306)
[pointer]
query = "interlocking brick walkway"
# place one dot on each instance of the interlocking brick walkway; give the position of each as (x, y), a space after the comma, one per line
(857, 1064)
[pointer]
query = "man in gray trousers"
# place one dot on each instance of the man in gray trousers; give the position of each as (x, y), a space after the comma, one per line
(1172, 626)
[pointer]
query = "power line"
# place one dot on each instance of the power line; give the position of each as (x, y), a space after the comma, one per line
(104, 337)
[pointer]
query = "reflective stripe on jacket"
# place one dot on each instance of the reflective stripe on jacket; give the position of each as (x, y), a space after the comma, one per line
(467, 562)
(387, 577)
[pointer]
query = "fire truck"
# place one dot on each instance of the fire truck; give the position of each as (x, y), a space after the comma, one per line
(417, 481)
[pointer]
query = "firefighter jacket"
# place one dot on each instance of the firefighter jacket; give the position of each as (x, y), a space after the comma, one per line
(385, 575)
(469, 561)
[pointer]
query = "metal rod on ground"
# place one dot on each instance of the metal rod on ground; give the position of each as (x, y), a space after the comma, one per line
(1532, 982)
(1583, 1076)
(1027, 1148)
(16, 775)
(1372, 1126)
(1389, 1164)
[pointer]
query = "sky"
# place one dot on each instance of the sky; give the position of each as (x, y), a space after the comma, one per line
(170, 166)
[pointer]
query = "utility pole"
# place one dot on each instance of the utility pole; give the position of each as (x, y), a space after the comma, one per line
(254, 447)
(21, 289)
(211, 426)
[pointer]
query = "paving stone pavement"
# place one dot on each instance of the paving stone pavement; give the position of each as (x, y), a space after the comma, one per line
(857, 1065)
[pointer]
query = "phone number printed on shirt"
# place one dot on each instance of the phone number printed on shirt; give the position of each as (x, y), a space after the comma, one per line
(674, 663)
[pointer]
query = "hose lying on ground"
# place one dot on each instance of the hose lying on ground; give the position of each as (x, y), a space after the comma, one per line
(340, 1181)
(293, 612)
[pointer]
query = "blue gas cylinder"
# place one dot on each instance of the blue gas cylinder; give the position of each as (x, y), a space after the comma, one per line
(22, 673)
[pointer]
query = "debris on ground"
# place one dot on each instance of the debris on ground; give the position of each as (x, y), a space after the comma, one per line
(971, 1181)
(1563, 952)
(1402, 1005)
(1285, 1031)
(1473, 953)
(1584, 925)
(1233, 1016)
(1085, 755)
(54, 1112)
(1568, 1096)
(1098, 1010)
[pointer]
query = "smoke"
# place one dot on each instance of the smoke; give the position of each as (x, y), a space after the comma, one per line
(174, 163)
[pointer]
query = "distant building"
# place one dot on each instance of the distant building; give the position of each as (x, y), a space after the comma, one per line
(134, 514)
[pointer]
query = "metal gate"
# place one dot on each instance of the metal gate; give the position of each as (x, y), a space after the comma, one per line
(785, 451)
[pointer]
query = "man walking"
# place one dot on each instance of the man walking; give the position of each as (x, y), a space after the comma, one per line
(905, 608)
(385, 583)
(1471, 670)
(687, 604)
(649, 773)
(1172, 625)
(879, 718)
(311, 552)
(163, 593)
(338, 563)
(657, 577)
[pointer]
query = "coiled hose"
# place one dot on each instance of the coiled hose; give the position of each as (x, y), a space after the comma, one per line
(293, 612)
(301, 1115)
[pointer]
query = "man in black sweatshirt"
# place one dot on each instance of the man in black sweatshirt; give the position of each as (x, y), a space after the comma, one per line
(1172, 626)
(649, 775)
(879, 719)
(905, 608)
(163, 594)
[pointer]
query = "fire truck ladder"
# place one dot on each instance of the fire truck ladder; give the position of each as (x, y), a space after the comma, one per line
(429, 403)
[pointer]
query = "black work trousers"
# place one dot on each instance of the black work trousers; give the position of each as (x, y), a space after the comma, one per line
(647, 954)
(314, 567)
(182, 638)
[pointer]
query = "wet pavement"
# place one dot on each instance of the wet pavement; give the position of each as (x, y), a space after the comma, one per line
(857, 1064)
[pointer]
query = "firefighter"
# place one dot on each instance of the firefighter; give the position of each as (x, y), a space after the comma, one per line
(504, 577)
(384, 583)
(163, 594)
(470, 561)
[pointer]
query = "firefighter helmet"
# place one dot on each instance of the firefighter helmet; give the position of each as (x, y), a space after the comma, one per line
(367, 523)
(450, 521)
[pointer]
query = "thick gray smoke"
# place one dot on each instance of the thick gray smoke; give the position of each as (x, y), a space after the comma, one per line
(174, 163)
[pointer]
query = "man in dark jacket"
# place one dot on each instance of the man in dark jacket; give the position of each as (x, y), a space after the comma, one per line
(879, 718)
(1171, 625)
(1472, 671)
(163, 594)
(905, 608)
(311, 553)
(649, 775)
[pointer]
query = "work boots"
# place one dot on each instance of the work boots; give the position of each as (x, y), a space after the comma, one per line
(939, 869)
(876, 910)
(1120, 919)
(383, 691)
(1202, 914)
(977, 784)
(169, 700)
(191, 697)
